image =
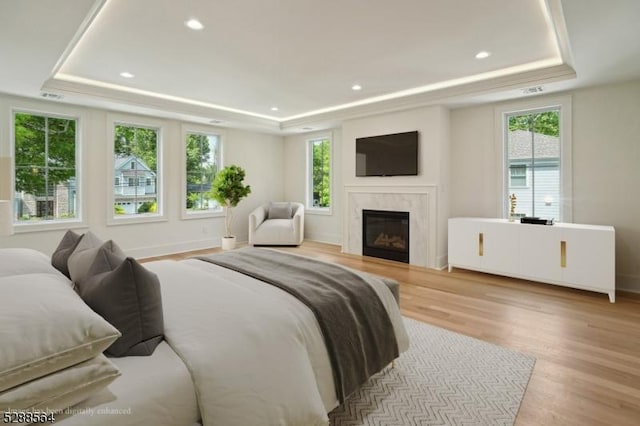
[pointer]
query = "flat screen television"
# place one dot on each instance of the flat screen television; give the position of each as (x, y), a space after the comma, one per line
(387, 155)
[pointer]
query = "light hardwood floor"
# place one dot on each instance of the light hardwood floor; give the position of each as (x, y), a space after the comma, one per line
(587, 350)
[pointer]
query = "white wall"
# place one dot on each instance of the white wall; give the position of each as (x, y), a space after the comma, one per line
(260, 155)
(432, 124)
(318, 227)
(606, 172)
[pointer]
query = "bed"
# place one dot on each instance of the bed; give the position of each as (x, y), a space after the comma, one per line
(235, 351)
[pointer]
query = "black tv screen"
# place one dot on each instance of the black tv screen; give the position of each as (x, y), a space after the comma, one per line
(387, 155)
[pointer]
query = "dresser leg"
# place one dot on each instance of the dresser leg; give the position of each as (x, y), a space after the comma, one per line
(450, 267)
(612, 296)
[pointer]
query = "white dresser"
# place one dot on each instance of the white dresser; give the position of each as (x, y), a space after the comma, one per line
(572, 255)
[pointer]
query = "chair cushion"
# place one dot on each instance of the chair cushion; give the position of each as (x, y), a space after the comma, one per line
(128, 296)
(280, 211)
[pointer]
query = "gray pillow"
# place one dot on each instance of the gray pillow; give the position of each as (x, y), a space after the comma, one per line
(60, 256)
(127, 295)
(84, 254)
(280, 211)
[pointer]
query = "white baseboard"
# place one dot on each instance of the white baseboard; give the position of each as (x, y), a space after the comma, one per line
(628, 283)
(333, 239)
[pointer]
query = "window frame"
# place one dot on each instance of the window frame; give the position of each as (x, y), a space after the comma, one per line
(192, 128)
(51, 111)
(563, 104)
(114, 120)
(309, 208)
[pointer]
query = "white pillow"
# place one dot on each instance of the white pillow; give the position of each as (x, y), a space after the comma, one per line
(45, 327)
(61, 389)
(18, 261)
(85, 253)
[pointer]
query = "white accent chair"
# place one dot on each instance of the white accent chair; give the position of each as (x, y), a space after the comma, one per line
(285, 227)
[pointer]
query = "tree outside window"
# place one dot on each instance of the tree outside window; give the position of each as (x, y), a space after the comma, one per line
(320, 169)
(45, 168)
(202, 164)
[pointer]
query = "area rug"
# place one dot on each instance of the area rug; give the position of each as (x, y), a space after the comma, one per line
(445, 378)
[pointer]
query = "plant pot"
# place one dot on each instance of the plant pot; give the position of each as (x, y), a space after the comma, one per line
(228, 243)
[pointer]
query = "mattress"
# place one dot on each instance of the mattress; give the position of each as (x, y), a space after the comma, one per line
(153, 390)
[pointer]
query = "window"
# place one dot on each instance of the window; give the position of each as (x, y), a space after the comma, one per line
(135, 162)
(45, 168)
(202, 162)
(533, 160)
(319, 174)
(518, 175)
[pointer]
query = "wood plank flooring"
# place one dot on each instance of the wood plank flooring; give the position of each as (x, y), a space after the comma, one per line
(588, 350)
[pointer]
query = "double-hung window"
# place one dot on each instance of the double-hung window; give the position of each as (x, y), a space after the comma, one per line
(46, 168)
(135, 167)
(319, 175)
(536, 160)
(202, 162)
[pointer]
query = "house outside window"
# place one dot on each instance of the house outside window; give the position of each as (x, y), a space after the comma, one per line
(517, 176)
(532, 160)
(45, 150)
(319, 174)
(136, 163)
(202, 162)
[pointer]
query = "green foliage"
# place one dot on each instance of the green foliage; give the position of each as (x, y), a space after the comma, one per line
(201, 168)
(228, 189)
(45, 152)
(118, 209)
(148, 207)
(546, 123)
(141, 142)
(321, 172)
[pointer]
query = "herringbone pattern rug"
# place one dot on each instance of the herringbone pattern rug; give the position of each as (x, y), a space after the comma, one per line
(444, 378)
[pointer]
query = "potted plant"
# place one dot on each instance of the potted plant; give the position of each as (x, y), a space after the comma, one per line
(228, 189)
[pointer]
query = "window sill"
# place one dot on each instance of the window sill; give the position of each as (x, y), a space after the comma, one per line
(318, 211)
(202, 214)
(50, 225)
(137, 220)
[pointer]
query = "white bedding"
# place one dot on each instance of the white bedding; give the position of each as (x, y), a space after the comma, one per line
(153, 390)
(256, 354)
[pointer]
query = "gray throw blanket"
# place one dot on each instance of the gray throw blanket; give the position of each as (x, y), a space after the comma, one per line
(355, 325)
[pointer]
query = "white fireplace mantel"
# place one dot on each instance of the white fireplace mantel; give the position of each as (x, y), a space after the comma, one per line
(418, 200)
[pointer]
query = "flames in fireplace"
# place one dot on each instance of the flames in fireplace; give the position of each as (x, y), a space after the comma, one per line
(390, 241)
(385, 234)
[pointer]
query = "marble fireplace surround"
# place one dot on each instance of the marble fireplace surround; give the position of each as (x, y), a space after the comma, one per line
(418, 200)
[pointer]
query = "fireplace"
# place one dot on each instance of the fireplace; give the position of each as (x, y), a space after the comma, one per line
(385, 234)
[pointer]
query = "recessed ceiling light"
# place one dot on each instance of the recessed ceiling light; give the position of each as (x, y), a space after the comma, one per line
(356, 87)
(275, 108)
(482, 55)
(194, 24)
(126, 74)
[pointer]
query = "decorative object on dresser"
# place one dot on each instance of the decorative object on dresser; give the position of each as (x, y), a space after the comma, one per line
(567, 254)
(228, 189)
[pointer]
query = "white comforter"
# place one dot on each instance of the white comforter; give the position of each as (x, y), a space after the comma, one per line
(255, 353)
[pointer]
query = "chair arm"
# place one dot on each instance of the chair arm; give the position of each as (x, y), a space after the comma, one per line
(256, 218)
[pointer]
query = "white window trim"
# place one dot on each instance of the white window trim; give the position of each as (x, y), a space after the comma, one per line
(205, 130)
(327, 211)
(58, 111)
(129, 120)
(566, 175)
